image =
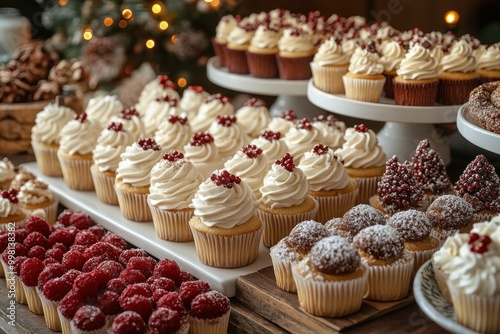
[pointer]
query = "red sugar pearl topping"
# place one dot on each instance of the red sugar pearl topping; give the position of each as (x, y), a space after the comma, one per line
(270, 135)
(225, 179)
(81, 117)
(304, 124)
(177, 119)
(218, 96)
(330, 119)
(287, 162)
(196, 88)
(479, 243)
(166, 82)
(148, 144)
(173, 156)
(226, 120)
(360, 128)
(11, 195)
(254, 102)
(201, 138)
(320, 149)
(252, 151)
(166, 98)
(129, 113)
(289, 115)
(115, 126)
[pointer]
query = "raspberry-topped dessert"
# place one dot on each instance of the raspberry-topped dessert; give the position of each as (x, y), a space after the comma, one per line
(203, 153)
(272, 144)
(132, 122)
(284, 122)
(28, 273)
(10, 209)
(255, 115)
(158, 111)
(161, 86)
(173, 133)
(331, 280)
(301, 138)
(332, 130)
(128, 322)
(165, 320)
(209, 313)
(229, 134)
(191, 100)
(87, 319)
(213, 106)
(102, 108)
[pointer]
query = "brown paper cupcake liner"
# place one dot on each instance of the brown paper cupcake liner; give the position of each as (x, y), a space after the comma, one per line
(408, 94)
(284, 274)
(65, 323)
(46, 159)
(454, 92)
(388, 85)
(334, 206)
(329, 78)
(50, 313)
(209, 326)
(262, 65)
(236, 61)
(172, 225)
(367, 90)
(330, 298)
(227, 252)
(294, 68)
(76, 173)
(219, 51)
(367, 187)
(33, 299)
(104, 187)
(134, 206)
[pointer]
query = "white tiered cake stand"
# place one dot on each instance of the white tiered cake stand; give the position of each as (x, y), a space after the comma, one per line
(291, 94)
(475, 134)
(405, 125)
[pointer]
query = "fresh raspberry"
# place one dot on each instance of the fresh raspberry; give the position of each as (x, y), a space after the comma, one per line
(64, 217)
(73, 230)
(29, 271)
(92, 263)
(70, 304)
(80, 249)
(36, 239)
(48, 261)
(157, 294)
(37, 224)
(55, 289)
(55, 253)
(184, 276)
(162, 283)
(286, 162)
(116, 285)
(11, 195)
(112, 269)
(73, 260)
(360, 128)
(48, 273)
(56, 226)
(71, 275)
(177, 119)
(109, 303)
(140, 304)
(115, 240)
(304, 124)
(19, 260)
(173, 301)
(81, 220)
(252, 151)
(320, 149)
(20, 234)
(189, 290)
(148, 144)
(86, 238)
(17, 250)
(144, 264)
(226, 120)
(210, 305)
(132, 276)
(165, 320)
(38, 252)
(99, 231)
(142, 289)
(130, 253)
(104, 249)
(217, 96)
(167, 268)
(60, 246)
(86, 286)
(89, 318)
(129, 322)
(115, 126)
(61, 236)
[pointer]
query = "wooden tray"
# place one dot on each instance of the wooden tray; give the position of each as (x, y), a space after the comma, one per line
(259, 292)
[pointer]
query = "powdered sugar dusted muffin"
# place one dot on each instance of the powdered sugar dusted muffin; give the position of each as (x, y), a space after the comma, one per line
(103, 108)
(448, 214)
(203, 153)
(229, 135)
(301, 138)
(360, 217)
(191, 100)
(331, 280)
(390, 267)
(213, 106)
(157, 112)
(284, 122)
(272, 144)
(255, 115)
(132, 122)
(332, 130)
(155, 89)
(174, 133)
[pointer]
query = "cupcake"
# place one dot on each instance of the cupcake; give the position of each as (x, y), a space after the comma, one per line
(282, 123)
(102, 108)
(78, 139)
(133, 178)
(7, 173)
(457, 75)
(296, 51)
(330, 184)
(329, 64)
(111, 143)
(285, 200)
(125, 321)
(238, 42)
(209, 313)
(191, 100)
(10, 212)
(89, 319)
(364, 160)
(174, 180)
(156, 89)
(225, 25)
(67, 308)
(416, 82)
(398, 190)
(332, 130)
(262, 51)
(225, 228)
(174, 133)
(45, 136)
(488, 65)
(213, 106)
(272, 145)
(390, 267)
(292, 249)
(157, 112)
(250, 165)
(364, 80)
(449, 214)
(391, 55)
(229, 135)
(302, 138)
(336, 227)
(203, 153)
(355, 220)
(331, 281)
(51, 293)
(36, 195)
(28, 273)
(166, 320)
(22, 176)
(255, 115)
(131, 121)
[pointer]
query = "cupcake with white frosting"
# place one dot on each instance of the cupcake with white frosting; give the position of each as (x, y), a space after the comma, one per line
(213, 106)
(191, 100)
(162, 85)
(255, 115)
(103, 108)
(229, 135)
(174, 133)
(272, 145)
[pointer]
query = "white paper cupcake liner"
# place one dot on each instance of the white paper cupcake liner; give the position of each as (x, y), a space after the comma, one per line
(50, 312)
(104, 187)
(334, 206)
(284, 274)
(75, 330)
(367, 187)
(33, 299)
(134, 206)
(420, 257)
(18, 287)
(46, 159)
(50, 211)
(360, 89)
(442, 282)
(329, 78)
(76, 173)
(65, 323)
(172, 225)
(209, 326)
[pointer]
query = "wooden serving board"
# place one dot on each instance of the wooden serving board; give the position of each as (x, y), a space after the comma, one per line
(258, 292)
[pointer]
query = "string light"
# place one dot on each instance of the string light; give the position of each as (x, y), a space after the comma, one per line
(150, 43)
(181, 82)
(215, 3)
(451, 17)
(156, 8)
(122, 24)
(163, 25)
(108, 22)
(127, 14)
(87, 34)
(63, 3)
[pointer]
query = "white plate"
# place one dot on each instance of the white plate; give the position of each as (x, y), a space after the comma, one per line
(474, 133)
(432, 303)
(144, 236)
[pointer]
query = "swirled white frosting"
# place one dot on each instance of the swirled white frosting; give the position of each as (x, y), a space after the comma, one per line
(223, 207)
(418, 64)
(365, 62)
(330, 53)
(281, 125)
(134, 125)
(460, 58)
(349, 46)
(152, 91)
(392, 54)
(265, 38)
(362, 150)
(135, 165)
(110, 145)
(255, 119)
(271, 149)
(299, 141)
(490, 60)
(173, 136)
(250, 170)
(206, 157)
(7, 170)
(491, 228)
(333, 135)
(7, 208)
(80, 137)
(293, 41)
(103, 108)
(226, 24)
(228, 139)
(191, 101)
(157, 113)
(240, 36)
(49, 122)
(34, 192)
(449, 250)
(208, 112)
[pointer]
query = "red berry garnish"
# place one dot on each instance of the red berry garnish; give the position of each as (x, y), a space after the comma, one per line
(115, 240)
(196, 88)
(17, 249)
(144, 264)
(116, 285)
(142, 289)
(210, 305)
(320, 149)
(85, 238)
(330, 120)
(73, 260)
(86, 286)
(21, 233)
(129, 113)
(64, 217)
(29, 271)
(270, 135)
(81, 220)
(36, 239)
(61, 237)
(218, 96)
(184, 276)
(479, 244)
(130, 253)
(55, 289)
(225, 179)
(173, 156)
(104, 249)
(304, 124)
(226, 120)
(132, 276)
(286, 162)
(165, 320)
(201, 138)
(71, 275)
(168, 99)
(99, 231)
(89, 318)
(177, 119)
(81, 117)
(37, 251)
(107, 270)
(109, 303)
(473, 237)
(11, 195)
(129, 322)
(115, 126)
(289, 115)
(148, 144)
(49, 272)
(165, 81)
(138, 303)
(255, 102)
(189, 290)
(70, 304)
(162, 283)
(37, 224)
(252, 151)
(360, 128)
(173, 301)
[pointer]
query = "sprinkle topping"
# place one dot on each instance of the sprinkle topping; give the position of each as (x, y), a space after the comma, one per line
(360, 128)
(177, 119)
(129, 113)
(226, 120)
(201, 138)
(166, 82)
(218, 96)
(270, 135)
(321, 149)
(479, 243)
(304, 124)
(252, 151)
(173, 156)
(335, 255)
(115, 126)
(287, 162)
(11, 195)
(148, 144)
(225, 179)
(81, 117)
(196, 88)
(254, 102)
(288, 114)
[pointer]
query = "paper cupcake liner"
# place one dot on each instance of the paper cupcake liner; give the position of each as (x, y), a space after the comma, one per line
(134, 206)
(33, 299)
(388, 85)
(76, 173)
(367, 187)
(284, 274)
(408, 94)
(368, 90)
(334, 206)
(5, 185)
(479, 313)
(442, 282)
(276, 227)
(329, 78)
(219, 51)
(227, 252)
(50, 313)
(330, 298)
(420, 257)
(209, 326)
(391, 282)
(295, 68)
(262, 65)
(46, 159)
(65, 323)
(50, 212)
(454, 92)
(104, 187)
(14, 280)
(75, 330)
(172, 225)
(235, 61)
(17, 223)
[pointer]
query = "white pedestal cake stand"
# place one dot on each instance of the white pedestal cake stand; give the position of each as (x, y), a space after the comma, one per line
(405, 125)
(475, 134)
(291, 94)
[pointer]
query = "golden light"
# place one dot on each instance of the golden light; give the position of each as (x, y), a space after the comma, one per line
(174, 38)
(150, 43)
(156, 8)
(163, 25)
(215, 3)
(181, 82)
(127, 14)
(87, 34)
(451, 17)
(208, 1)
(108, 22)
(63, 3)
(122, 23)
